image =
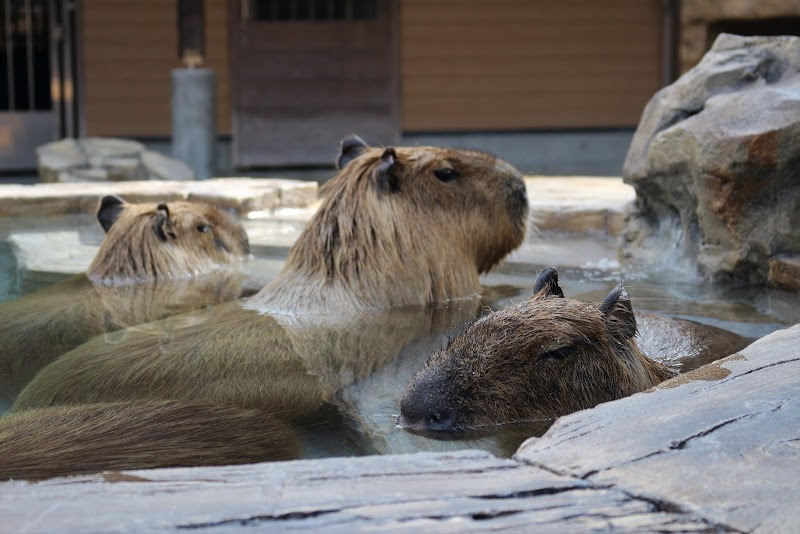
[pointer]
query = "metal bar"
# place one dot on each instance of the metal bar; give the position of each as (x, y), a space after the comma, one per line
(53, 39)
(29, 50)
(66, 51)
(9, 58)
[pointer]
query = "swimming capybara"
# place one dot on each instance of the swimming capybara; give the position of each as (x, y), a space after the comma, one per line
(537, 360)
(69, 440)
(397, 228)
(156, 260)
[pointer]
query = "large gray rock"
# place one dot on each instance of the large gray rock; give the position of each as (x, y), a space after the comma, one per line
(716, 164)
(102, 159)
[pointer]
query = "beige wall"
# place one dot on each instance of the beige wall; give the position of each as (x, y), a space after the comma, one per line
(504, 64)
(129, 48)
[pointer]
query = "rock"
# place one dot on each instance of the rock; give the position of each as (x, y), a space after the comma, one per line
(720, 441)
(54, 158)
(105, 159)
(714, 162)
(160, 167)
(784, 271)
(467, 491)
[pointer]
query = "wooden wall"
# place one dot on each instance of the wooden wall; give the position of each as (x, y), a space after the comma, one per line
(519, 64)
(464, 65)
(129, 48)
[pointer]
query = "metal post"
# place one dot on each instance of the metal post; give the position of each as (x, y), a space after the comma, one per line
(68, 95)
(29, 50)
(9, 58)
(55, 74)
(193, 120)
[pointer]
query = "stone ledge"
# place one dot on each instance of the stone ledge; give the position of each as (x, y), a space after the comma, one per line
(578, 204)
(242, 195)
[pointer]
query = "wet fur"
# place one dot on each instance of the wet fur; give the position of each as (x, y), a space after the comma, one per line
(89, 438)
(389, 233)
(135, 277)
(153, 242)
(540, 359)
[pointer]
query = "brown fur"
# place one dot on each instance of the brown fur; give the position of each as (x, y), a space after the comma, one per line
(152, 242)
(72, 440)
(545, 357)
(389, 233)
(135, 277)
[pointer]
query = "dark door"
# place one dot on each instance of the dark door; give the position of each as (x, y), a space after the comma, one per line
(307, 72)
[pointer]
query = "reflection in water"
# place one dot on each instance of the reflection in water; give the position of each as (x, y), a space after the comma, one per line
(37, 328)
(340, 380)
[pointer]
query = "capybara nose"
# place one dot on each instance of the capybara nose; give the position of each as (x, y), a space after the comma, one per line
(417, 417)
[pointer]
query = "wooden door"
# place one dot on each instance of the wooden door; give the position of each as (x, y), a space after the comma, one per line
(305, 73)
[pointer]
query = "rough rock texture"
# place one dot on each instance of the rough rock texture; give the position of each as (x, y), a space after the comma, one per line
(722, 441)
(100, 159)
(715, 450)
(716, 164)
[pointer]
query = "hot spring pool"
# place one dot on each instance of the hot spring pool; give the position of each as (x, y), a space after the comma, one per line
(359, 415)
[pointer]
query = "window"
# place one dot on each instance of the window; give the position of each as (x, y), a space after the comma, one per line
(294, 10)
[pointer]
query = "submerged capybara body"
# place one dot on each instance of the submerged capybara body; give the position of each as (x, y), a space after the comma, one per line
(537, 360)
(397, 227)
(70, 440)
(156, 260)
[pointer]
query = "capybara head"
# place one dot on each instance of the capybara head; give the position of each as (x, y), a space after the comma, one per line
(543, 358)
(408, 220)
(167, 240)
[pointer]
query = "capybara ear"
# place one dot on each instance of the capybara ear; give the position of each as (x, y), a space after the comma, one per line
(386, 172)
(547, 284)
(108, 212)
(351, 147)
(618, 312)
(162, 224)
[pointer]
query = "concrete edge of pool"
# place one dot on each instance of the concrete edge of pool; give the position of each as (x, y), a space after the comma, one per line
(713, 450)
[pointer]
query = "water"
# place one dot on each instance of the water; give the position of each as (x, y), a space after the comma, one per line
(361, 365)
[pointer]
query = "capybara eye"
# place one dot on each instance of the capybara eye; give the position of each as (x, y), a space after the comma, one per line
(558, 354)
(203, 228)
(446, 175)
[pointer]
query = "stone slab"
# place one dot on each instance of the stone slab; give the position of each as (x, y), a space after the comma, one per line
(467, 491)
(578, 204)
(721, 441)
(242, 195)
(784, 271)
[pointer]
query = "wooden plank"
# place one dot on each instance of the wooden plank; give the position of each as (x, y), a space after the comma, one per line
(491, 58)
(120, 38)
(217, 58)
(301, 86)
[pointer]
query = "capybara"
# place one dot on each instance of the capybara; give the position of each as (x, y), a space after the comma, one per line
(156, 260)
(68, 440)
(397, 228)
(537, 360)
